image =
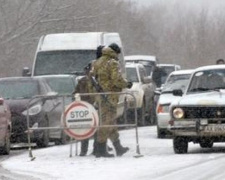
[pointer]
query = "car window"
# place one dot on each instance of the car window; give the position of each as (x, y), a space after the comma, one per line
(176, 82)
(142, 73)
(61, 85)
(19, 89)
(207, 80)
(132, 75)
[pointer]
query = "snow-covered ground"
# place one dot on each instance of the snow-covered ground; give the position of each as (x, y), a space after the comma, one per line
(158, 161)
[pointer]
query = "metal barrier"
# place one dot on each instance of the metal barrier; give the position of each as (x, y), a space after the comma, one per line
(32, 129)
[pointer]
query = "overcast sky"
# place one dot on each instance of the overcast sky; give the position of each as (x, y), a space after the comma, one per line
(209, 3)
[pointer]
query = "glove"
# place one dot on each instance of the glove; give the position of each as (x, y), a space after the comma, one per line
(129, 85)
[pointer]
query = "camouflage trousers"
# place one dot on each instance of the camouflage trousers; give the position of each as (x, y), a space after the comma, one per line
(108, 117)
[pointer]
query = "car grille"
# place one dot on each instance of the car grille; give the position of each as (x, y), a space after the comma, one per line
(204, 112)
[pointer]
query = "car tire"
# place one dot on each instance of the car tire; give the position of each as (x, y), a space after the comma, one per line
(44, 140)
(206, 143)
(5, 150)
(152, 115)
(160, 133)
(180, 145)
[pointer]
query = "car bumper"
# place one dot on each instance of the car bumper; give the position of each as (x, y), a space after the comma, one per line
(196, 128)
(163, 120)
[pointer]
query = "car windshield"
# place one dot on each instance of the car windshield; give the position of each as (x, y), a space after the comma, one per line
(148, 70)
(61, 85)
(132, 75)
(19, 89)
(176, 82)
(62, 62)
(207, 80)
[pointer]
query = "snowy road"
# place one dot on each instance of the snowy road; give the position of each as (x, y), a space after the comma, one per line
(9, 175)
(158, 162)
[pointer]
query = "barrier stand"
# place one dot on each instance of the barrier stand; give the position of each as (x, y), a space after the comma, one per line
(30, 129)
(28, 135)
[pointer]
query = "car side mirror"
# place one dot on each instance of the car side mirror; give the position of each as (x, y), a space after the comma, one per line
(177, 92)
(26, 71)
(52, 93)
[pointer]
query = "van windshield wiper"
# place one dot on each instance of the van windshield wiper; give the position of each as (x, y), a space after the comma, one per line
(199, 89)
(167, 92)
(78, 73)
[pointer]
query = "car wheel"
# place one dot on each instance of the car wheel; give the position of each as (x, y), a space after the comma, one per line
(153, 114)
(141, 115)
(160, 133)
(5, 150)
(180, 145)
(206, 143)
(44, 140)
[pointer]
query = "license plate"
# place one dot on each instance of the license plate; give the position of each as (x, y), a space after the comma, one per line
(215, 128)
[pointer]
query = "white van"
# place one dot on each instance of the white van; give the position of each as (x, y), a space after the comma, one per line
(66, 53)
(69, 53)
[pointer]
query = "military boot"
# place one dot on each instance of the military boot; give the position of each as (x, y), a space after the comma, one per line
(101, 151)
(109, 148)
(94, 148)
(120, 150)
(84, 147)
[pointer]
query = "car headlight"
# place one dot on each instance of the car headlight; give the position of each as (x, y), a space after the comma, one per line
(178, 113)
(163, 108)
(33, 110)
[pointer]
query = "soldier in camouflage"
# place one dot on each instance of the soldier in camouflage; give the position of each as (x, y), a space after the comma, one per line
(107, 73)
(84, 86)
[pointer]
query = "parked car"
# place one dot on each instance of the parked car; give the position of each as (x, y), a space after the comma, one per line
(199, 115)
(5, 127)
(167, 69)
(143, 89)
(176, 80)
(18, 93)
(64, 85)
(149, 62)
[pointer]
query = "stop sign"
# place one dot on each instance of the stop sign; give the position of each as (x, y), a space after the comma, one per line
(80, 120)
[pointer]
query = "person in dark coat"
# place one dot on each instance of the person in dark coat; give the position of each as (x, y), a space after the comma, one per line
(220, 61)
(84, 86)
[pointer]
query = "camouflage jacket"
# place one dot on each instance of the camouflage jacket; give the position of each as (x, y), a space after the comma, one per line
(107, 72)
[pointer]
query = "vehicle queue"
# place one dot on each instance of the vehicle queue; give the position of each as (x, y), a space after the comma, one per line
(140, 70)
